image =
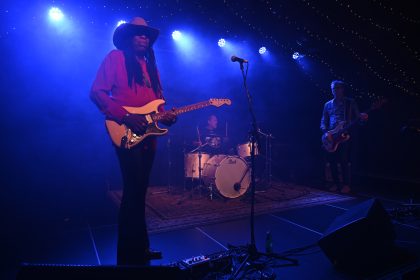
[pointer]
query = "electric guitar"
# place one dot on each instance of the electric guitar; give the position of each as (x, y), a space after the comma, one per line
(333, 138)
(123, 137)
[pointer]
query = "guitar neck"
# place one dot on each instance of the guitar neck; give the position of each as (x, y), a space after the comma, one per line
(352, 123)
(184, 109)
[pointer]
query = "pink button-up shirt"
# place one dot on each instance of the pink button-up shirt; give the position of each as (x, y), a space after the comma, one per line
(110, 90)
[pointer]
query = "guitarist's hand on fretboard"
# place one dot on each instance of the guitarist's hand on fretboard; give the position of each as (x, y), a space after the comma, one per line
(169, 118)
(137, 123)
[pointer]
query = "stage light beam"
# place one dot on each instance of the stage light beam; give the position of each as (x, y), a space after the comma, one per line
(56, 14)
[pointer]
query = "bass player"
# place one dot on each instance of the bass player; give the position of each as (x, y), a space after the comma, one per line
(339, 111)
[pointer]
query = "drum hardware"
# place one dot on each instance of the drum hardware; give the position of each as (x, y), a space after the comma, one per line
(268, 156)
(198, 151)
(244, 150)
(192, 164)
(168, 144)
(169, 186)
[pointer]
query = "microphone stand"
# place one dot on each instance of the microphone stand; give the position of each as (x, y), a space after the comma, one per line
(268, 168)
(251, 249)
(254, 137)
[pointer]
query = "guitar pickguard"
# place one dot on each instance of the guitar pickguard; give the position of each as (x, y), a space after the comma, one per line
(131, 139)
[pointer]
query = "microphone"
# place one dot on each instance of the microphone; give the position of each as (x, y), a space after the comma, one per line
(238, 59)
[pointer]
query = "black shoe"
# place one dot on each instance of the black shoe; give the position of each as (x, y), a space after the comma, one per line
(153, 255)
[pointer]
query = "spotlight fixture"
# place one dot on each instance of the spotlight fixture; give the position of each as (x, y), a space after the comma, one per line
(55, 14)
(176, 35)
(296, 55)
(221, 43)
(262, 50)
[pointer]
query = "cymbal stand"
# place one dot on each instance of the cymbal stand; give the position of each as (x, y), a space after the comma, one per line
(169, 186)
(268, 156)
(169, 163)
(200, 169)
(184, 153)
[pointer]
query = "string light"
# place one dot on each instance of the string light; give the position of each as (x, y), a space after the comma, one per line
(401, 38)
(289, 49)
(358, 35)
(400, 15)
(319, 37)
(399, 77)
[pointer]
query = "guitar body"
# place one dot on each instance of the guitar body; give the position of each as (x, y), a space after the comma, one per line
(123, 137)
(332, 138)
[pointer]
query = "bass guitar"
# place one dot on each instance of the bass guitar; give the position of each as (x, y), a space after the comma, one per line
(333, 138)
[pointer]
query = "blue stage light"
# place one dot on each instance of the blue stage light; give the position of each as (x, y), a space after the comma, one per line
(55, 14)
(221, 43)
(262, 50)
(176, 35)
(296, 55)
(121, 22)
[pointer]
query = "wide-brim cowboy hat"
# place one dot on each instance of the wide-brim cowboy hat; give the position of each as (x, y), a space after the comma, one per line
(137, 26)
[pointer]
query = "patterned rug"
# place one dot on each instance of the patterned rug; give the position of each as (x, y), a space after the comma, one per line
(170, 209)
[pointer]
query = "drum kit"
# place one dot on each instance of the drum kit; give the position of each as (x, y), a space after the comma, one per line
(228, 176)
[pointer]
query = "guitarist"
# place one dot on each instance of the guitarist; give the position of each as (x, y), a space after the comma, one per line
(128, 76)
(337, 163)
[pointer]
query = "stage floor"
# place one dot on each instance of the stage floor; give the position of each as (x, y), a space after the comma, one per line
(95, 243)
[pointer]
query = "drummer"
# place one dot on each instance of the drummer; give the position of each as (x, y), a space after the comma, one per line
(212, 138)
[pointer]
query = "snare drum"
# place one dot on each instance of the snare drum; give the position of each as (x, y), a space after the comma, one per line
(244, 150)
(191, 164)
(230, 174)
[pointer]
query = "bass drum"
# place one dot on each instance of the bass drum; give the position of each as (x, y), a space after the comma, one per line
(230, 174)
(191, 164)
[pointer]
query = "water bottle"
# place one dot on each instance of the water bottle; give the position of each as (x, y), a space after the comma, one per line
(268, 243)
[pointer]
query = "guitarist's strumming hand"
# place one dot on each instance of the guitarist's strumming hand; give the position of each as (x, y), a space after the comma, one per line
(169, 118)
(137, 123)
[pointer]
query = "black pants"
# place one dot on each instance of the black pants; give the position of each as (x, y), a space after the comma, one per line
(338, 166)
(133, 239)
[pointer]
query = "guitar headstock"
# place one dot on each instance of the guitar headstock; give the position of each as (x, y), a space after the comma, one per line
(219, 102)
